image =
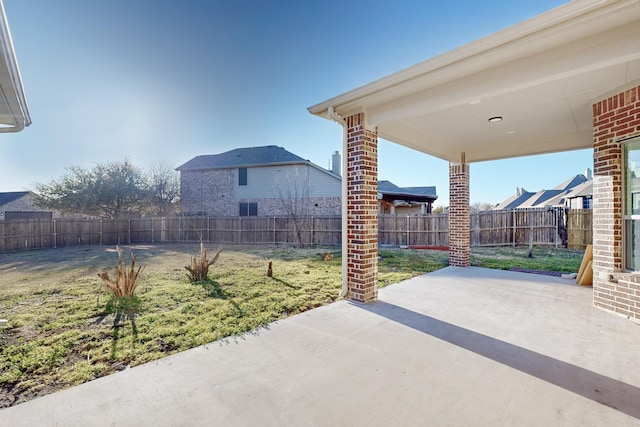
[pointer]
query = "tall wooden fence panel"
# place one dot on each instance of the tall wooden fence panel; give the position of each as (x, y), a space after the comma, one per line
(491, 228)
(579, 228)
(555, 227)
(424, 230)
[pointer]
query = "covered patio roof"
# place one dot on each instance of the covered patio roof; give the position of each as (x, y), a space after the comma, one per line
(540, 77)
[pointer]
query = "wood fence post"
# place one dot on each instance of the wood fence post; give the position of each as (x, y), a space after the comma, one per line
(408, 228)
(513, 224)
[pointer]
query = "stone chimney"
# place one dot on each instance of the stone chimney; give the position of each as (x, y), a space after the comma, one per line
(335, 163)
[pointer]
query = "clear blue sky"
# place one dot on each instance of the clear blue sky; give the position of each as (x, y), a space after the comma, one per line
(164, 81)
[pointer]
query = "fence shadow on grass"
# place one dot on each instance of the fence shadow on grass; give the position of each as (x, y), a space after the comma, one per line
(283, 282)
(599, 388)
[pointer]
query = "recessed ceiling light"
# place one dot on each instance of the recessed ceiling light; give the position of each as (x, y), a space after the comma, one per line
(495, 119)
(475, 101)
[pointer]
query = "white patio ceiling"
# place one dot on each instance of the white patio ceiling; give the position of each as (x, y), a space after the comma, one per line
(540, 76)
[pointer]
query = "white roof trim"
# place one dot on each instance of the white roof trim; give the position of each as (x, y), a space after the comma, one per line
(15, 114)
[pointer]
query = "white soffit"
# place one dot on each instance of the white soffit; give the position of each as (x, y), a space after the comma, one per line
(540, 76)
(14, 114)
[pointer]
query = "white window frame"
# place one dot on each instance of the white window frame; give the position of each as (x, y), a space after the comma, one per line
(628, 218)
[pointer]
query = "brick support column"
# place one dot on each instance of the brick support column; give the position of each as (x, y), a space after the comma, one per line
(362, 211)
(459, 222)
(615, 119)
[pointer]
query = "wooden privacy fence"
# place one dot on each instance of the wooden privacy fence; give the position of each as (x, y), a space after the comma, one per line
(17, 235)
(555, 227)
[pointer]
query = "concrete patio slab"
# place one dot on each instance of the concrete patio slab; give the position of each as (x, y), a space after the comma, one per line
(457, 347)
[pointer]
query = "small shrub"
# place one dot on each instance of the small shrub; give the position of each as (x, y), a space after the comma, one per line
(199, 269)
(123, 302)
(126, 280)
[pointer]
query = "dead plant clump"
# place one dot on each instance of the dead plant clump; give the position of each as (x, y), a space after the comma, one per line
(126, 280)
(199, 269)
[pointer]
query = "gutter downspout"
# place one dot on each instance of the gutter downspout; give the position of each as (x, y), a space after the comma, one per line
(345, 254)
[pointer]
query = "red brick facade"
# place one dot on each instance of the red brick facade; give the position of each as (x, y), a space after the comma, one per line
(615, 120)
(459, 222)
(362, 211)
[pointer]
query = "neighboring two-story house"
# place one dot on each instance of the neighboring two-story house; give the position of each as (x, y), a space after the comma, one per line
(259, 181)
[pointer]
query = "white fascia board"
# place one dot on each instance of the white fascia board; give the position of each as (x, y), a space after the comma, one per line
(490, 45)
(11, 81)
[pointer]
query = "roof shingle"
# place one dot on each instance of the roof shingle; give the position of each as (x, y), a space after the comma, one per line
(243, 157)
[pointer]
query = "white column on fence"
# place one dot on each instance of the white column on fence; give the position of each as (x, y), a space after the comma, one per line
(129, 231)
(274, 230)
(312, 230)
(55, 234)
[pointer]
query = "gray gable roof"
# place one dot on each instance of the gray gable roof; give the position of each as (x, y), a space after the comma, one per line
(514, 201)
(387, 188)
(571, 182)
(243, 157)
(11, 196)
(583, 190)
(541, 198)
(553, 197)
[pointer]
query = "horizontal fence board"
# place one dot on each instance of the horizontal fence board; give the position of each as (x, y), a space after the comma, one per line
(550, 227)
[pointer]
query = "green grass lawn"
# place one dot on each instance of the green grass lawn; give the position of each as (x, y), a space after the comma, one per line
(59, 332)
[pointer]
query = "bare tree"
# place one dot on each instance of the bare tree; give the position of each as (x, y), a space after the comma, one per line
(163, 184)
(293, 194)
(478, 206)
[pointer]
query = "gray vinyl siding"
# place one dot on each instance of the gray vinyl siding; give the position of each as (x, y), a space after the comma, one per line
(287, 181)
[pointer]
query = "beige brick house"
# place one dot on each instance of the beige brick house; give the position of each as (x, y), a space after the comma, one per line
(564, 80)
(258, 181)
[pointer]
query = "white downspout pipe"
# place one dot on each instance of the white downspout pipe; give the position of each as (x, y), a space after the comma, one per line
(345, 255)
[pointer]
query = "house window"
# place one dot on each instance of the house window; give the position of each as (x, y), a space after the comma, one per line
(242, 176)
(248, 209)
(631, 215)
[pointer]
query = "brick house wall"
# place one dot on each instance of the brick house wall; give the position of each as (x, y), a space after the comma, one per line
(213, 192)
(615, 119)
(208, 192)
(316, 206)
